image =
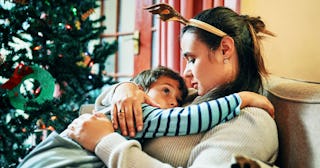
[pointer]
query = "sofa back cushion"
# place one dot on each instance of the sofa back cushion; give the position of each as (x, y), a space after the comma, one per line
(297, 114)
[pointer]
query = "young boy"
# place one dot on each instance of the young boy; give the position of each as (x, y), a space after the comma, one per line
(168, 89)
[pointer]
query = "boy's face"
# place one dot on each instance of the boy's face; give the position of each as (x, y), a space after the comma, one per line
(165, 91)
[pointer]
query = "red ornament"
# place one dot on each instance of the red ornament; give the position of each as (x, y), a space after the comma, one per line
(20, 72)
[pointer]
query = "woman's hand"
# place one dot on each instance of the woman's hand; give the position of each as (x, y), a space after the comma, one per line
(127, 111)
(256, 100)
(89, 129)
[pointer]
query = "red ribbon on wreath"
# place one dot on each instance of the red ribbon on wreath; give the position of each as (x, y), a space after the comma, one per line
(20, 72)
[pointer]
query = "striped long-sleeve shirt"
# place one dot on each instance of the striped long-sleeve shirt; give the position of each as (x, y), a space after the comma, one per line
(188, 120)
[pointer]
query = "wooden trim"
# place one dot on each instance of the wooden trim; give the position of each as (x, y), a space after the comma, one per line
(207, 4)
(187, 10)
(238, 6)
(116, 55)
(159, 33)
(173, 49)
(102, 14)
(163, 43)
(218, 3)
(117, 34)
(143, 24)
(118, 75)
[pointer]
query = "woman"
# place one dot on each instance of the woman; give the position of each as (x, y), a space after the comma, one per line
(217, 66)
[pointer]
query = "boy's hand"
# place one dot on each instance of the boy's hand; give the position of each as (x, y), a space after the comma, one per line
(256, 100)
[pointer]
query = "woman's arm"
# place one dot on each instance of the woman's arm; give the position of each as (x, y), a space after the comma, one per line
(128, 97)
(112, 148)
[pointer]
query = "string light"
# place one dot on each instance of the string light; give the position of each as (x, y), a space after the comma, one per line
(68, 27)
(87, 14)
(36, 48)
(53, 118)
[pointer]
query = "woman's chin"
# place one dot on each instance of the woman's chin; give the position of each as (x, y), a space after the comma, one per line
(200, 92)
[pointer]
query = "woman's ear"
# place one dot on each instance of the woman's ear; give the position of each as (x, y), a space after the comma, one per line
(227, 47)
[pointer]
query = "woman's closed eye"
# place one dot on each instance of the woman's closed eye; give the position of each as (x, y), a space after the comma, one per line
(191, 60)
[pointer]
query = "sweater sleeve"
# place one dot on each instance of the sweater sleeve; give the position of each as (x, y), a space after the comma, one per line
(116, 151)
(188, 120)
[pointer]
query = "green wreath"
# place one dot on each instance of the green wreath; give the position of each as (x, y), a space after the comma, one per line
(46, 81)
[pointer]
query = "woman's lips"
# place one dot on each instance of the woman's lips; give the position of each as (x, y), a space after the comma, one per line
(194, 85)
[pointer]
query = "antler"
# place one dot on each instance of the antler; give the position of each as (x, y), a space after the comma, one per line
(166, 12)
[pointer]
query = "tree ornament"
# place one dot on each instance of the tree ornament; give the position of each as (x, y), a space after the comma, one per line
(87, 14)
(19, 73)
(1, 59)
(43, 16)
(42, 93)
(86, 60)
(74, 11)
(68, 27)
(77, 23)
(36, 48)
(23, 2)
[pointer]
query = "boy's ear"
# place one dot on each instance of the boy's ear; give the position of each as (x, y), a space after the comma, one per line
(227, 47)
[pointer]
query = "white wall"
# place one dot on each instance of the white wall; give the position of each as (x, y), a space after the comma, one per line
(295, 52)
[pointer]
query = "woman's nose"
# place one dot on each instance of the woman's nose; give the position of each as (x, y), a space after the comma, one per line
(187, 71)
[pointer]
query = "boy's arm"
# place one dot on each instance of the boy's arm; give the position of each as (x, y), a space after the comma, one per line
(187, 120)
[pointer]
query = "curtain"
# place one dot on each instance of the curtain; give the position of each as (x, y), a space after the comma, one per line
(169, 45)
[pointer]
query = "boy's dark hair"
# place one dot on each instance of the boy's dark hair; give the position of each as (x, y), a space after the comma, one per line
(147, 77)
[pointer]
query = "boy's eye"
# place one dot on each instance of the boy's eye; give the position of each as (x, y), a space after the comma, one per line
(166, 90)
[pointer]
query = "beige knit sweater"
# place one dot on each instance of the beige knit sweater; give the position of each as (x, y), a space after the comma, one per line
(253, 133)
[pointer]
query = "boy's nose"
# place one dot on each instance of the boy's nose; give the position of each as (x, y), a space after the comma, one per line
(173, 103)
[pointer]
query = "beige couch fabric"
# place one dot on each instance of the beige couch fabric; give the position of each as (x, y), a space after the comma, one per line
(297, 114)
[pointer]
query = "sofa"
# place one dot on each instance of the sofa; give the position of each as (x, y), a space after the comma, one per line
(297, 114)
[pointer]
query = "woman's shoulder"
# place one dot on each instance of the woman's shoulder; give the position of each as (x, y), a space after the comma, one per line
(256, 114)
(250, 121)
(253, 130)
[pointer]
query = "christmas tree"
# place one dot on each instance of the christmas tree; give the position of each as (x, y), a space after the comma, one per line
(47, 70)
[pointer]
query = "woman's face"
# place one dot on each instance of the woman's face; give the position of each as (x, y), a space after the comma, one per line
(205, 67)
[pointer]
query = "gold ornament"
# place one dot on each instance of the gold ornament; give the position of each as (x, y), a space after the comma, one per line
(77, 24)
(85, 62)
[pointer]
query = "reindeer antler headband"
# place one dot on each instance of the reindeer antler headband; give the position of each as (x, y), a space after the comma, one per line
(168, 13)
